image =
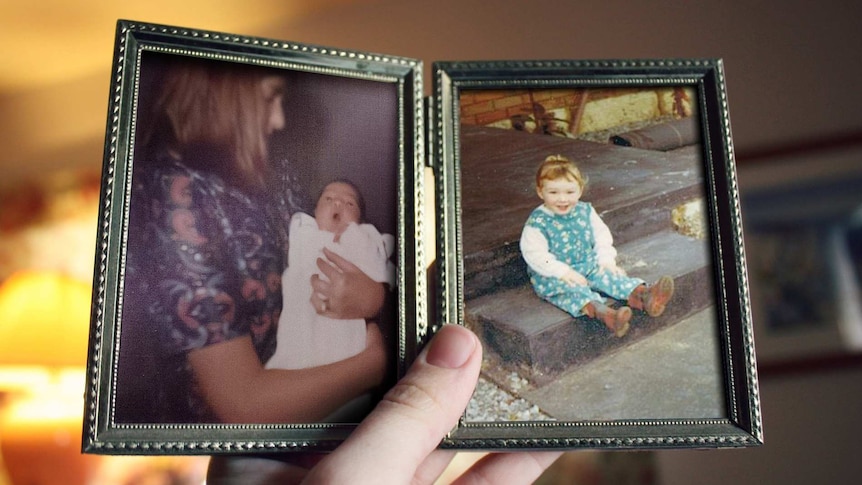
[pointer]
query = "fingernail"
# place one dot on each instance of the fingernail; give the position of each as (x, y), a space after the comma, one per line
(451, 347)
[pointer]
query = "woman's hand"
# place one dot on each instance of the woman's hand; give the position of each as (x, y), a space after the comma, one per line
(346, 292)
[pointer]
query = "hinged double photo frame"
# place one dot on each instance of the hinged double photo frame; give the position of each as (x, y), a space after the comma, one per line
(283, 227)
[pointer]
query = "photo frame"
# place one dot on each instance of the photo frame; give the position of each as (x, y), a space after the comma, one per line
(661, 175)
(214, 143)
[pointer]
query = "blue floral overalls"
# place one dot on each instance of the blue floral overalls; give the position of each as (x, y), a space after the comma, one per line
(571, 240)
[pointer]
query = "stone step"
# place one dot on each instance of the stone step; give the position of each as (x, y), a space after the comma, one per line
(540, 341)
(634, 190)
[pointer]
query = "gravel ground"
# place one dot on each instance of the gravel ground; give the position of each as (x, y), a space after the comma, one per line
(491, 403)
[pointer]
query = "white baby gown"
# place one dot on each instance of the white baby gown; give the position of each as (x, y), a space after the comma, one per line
(304, 338)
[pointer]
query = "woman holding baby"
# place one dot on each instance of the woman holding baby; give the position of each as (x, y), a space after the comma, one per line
(206, 248)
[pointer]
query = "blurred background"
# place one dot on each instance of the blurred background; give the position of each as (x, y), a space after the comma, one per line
(792, 72)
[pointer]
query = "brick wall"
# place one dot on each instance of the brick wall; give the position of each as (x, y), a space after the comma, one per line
(562, 111)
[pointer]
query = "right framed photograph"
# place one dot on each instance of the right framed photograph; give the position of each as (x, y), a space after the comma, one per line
(589, 231)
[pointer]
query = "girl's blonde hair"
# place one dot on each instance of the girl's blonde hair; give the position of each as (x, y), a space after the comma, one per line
(557, 166)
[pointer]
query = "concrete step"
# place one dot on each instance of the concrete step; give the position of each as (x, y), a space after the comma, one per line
(540, 341)
(634, 191)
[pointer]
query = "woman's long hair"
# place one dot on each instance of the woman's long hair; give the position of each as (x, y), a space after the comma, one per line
(213, 115)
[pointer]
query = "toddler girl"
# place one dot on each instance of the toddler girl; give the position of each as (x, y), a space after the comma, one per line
(571, 258)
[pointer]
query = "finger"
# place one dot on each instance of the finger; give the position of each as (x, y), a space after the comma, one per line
(521, 467)
(319, 298)
(412, 418)
(320, 287)
(328, 269)
(341, 263)
(320, 305)
(433, 466)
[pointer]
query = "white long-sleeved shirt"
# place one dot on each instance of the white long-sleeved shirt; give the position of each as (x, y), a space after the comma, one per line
(536, 252)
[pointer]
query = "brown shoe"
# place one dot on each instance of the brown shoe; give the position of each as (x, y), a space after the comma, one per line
(653, 298)
(622, 316)
(617, 320)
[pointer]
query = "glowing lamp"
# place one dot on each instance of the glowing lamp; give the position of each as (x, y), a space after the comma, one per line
(44, 322)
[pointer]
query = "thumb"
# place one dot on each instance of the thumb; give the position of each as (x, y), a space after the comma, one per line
(412, 418)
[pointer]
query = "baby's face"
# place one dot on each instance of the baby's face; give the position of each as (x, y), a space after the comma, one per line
(559, 195)
(337, 207)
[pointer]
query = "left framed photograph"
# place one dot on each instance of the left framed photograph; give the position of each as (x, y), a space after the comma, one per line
(256, 285)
